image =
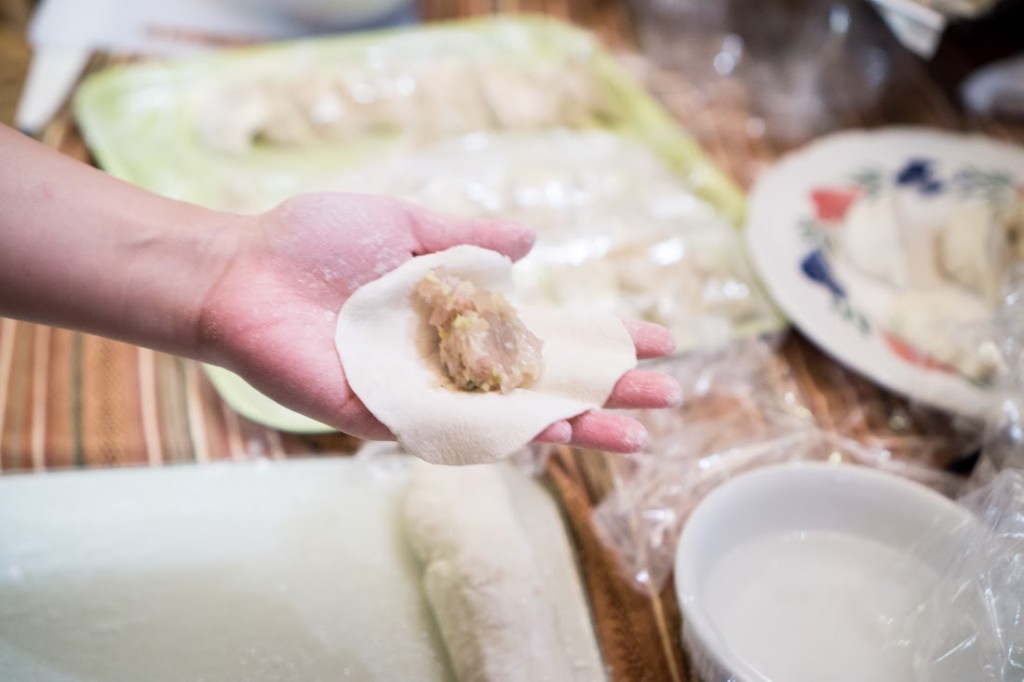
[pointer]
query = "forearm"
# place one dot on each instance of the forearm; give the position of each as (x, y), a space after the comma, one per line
(82, 250)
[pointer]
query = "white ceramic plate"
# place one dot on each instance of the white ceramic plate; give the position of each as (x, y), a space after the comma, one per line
(796, 204)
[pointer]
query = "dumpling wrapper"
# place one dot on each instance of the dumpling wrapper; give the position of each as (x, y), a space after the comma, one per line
(390, 358)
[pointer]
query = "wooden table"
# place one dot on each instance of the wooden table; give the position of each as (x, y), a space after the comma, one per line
(73, 400)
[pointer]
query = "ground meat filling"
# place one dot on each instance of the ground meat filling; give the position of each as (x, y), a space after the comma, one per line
(484, 346)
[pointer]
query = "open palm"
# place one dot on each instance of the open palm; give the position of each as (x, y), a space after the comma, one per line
(271, 316)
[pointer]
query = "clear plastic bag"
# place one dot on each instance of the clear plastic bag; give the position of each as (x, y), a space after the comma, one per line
(996, 91)
(617, 229)
(741, 410)
(971, 627)
(1004, 428)
(419, 88)
(801, 67)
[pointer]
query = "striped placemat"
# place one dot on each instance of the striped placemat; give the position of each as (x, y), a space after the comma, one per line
(75, 400)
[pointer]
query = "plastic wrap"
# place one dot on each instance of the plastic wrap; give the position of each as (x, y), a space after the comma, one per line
(971, 626)
(797, 69)
(1004, 429)
(960, 8)
(996, 91)
(741, 410)
(617, 228)
(244, 129)
(392, 93)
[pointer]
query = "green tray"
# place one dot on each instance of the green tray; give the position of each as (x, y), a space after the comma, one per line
(139, 121)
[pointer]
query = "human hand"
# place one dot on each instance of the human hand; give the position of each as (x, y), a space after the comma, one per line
(271, 315)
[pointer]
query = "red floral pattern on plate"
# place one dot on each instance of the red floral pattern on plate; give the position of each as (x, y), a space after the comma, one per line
(832, 203)
(908, 353)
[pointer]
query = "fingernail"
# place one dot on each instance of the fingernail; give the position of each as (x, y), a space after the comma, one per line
(523, 236)
(673, 392)
(562, 433)
(635, 439)
(670, 344)
(559, 432)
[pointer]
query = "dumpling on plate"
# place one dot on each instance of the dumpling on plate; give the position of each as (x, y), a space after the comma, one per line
(450, 100)
(979, 243)
(520, 98)
(946, 326)
(230, 119)
(872, 240)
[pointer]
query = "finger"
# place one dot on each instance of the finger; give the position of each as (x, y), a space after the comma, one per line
(434, 232)
(651, 340)
(640, 389)
(355, 420)
(559, 432)
(606, 431)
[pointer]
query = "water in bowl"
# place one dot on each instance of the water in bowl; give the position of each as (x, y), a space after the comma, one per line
(808, 606)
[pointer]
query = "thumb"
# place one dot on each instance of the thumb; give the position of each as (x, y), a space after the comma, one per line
(435, 232)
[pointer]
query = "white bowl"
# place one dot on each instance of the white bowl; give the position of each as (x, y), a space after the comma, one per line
(800, 572)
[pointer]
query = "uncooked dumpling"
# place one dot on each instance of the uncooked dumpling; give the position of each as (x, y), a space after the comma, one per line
(450, 100)
(520, 98)
(947, 326)
(230, 120)
(390, 357)
(978, 245)
(972, 246)
(871, 240)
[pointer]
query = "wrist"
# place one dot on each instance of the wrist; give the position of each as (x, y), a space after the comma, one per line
(175, 266)
(216, 318)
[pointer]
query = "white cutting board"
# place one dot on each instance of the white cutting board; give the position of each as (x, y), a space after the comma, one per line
(257, 571)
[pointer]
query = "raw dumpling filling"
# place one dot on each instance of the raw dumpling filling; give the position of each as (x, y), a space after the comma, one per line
(483, 345)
